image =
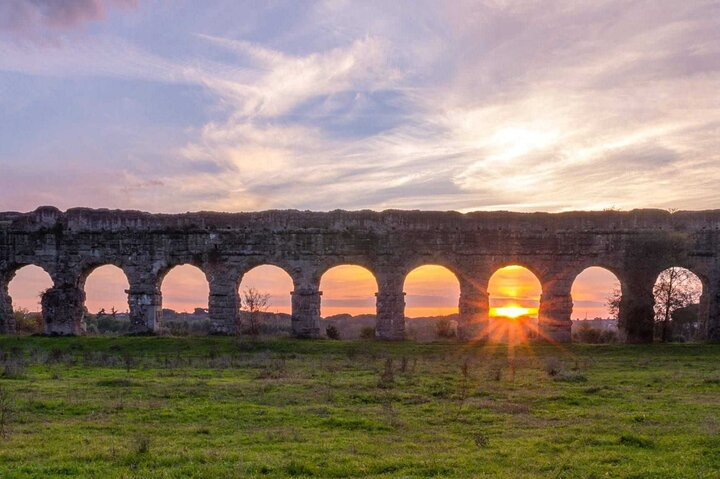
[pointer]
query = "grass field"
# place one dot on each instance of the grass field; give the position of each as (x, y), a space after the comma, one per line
(219, 407)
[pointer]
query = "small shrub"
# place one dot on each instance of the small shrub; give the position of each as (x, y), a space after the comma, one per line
(141, 444)
(553, 366)
(298, 469)
(444, 328)
(635, 441)
(481, 440)
(367, 332)
(332, 332)
(27, 322)
(14, 369)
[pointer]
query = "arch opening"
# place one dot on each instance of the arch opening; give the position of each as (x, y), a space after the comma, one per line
(514, 295)
(432, 296)
(106, 301)
(185, 293)
(25, 291)
(596, 295)
(348, 302)
(266, 301)
(677, 313)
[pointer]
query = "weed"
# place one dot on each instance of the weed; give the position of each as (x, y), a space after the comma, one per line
(553, 366)
(387, 377)
(391, 414)
(570, 377)
(464, 386)
(141, 444)
(640, 418)
(129, 361)
(14, 368)
(481, 439)
(403, 364)
(495, 372)
(7, 411)
(295, 468)
(635, 441)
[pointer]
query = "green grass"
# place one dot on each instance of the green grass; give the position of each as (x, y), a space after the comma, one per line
(218, 407)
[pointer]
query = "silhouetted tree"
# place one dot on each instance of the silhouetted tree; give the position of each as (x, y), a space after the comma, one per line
(254, 304)
(675, 288)
(613, 302)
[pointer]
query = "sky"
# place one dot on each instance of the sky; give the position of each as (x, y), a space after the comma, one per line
(174, 106)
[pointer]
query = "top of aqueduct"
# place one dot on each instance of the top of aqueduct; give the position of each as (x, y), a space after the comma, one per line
(635, 245)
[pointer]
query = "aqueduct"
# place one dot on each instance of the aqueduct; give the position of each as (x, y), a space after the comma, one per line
(634, 245)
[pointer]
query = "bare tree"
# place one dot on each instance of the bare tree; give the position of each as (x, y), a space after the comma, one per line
(254, 303)
(613, 302)
(675, 288)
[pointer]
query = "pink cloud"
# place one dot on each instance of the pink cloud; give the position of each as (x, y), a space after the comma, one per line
(26, 16)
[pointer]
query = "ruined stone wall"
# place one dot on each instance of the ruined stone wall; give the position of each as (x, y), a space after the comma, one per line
(635, 245)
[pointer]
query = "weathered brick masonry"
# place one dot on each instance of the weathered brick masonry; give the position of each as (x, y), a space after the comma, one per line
(635, 245)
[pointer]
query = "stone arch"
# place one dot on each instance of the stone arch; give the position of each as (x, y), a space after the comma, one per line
(515, 292)
(604, 280)
(432, 290)
(339, 286)
(106, 289)
(539, 270)
(592, 291)
(272, 279)
(678, 290)
(320, 269)
(200, 277)
(32, 276)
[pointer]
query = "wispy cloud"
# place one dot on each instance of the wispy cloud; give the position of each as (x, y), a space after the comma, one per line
(465, 105)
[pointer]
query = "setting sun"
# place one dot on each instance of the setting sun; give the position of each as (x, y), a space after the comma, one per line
(512, 311)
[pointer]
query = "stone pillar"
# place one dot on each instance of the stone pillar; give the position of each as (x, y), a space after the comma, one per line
(145, 301)
(224, 302)
(474, 308)
(63, 310)
(390, 304)
(306, 310)
(636, 316)
(554, 315)
(7, 318)
(711, 303)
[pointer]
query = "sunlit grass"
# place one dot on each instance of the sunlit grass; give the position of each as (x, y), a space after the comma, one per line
(218, 407)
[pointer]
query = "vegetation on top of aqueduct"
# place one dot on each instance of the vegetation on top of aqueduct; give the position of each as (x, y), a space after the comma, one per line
(222, 407)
